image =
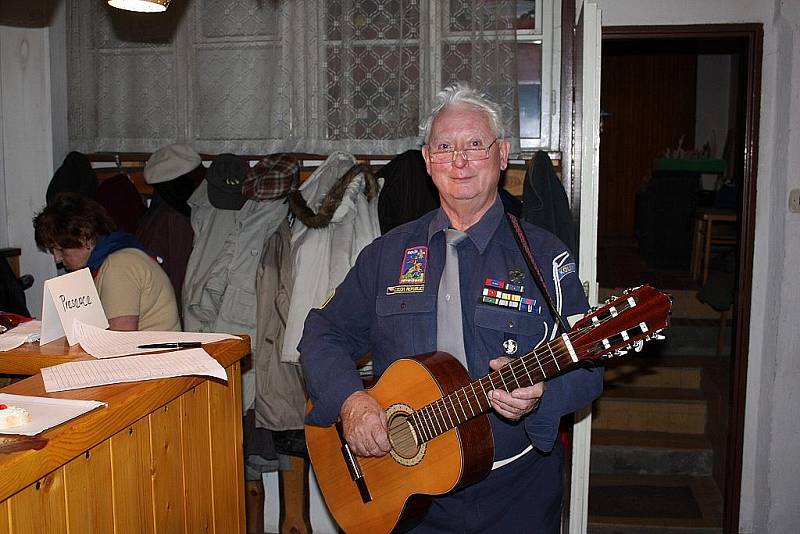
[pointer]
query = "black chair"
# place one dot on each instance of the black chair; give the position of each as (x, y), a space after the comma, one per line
(12, 290)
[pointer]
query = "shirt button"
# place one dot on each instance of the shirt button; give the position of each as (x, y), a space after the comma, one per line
(447, 297)
(511, 324)
(402, 305)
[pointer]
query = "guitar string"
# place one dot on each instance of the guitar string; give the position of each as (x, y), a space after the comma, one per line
(441, 404)
(439, 408)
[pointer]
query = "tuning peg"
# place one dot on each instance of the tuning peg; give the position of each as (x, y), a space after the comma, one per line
(637, 345)
(620, 352)
(626, 291)
(659, 337)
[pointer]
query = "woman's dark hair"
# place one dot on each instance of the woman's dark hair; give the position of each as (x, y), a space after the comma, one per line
(71, 220)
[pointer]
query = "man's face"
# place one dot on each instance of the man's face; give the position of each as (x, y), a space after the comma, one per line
(72, 258)
(461, 183)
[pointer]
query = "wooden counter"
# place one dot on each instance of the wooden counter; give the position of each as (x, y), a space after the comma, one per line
(164, 456)
(29, 358)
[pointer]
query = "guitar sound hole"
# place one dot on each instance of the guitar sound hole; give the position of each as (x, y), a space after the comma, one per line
(405, 449)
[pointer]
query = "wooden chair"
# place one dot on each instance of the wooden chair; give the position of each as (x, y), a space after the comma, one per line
(712, 227)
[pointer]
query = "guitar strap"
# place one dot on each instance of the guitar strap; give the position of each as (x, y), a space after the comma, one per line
(525, 248)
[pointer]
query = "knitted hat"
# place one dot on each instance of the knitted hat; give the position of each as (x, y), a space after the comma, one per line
(169, 162)
(75, 175)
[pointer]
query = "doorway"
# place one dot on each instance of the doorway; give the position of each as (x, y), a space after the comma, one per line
(679, 137)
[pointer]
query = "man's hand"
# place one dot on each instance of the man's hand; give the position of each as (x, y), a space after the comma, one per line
(519, 402)
(364, 425)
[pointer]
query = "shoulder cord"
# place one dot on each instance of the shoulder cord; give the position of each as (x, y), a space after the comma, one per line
(524, 246)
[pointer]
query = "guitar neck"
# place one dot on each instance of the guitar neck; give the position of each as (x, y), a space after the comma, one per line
(473, 399)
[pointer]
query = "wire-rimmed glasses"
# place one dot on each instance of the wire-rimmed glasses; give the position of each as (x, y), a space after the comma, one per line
(469, 154)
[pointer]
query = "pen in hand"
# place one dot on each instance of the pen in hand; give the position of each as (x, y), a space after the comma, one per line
(178, 345)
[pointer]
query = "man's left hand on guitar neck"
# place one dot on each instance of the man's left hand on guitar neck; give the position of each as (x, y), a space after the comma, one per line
(518, 403)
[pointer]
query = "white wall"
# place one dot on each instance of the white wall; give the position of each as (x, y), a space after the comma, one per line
(26, 143)
(713, 102)
(770, 484)
(712, 108)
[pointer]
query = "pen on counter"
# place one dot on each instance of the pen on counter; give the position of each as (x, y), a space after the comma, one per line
(178, 345)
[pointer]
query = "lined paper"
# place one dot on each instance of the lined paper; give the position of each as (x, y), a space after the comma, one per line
(89, 373)
(102, 343)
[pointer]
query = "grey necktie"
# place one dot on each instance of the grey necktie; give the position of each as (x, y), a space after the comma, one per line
(449, 327)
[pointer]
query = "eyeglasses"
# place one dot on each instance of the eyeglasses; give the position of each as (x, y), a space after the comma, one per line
(469, 154)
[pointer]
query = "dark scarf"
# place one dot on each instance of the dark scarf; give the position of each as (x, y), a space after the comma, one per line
(109, 244)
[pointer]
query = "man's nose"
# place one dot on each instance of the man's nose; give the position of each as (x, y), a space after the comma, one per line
(460, 160)
(58, 256)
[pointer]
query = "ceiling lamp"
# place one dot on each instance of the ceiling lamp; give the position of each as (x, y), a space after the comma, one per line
(143, 6)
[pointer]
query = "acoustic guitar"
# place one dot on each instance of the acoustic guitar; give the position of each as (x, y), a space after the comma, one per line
(440, 435)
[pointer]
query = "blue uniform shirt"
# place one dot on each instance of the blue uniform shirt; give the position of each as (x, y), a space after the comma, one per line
(373, 311)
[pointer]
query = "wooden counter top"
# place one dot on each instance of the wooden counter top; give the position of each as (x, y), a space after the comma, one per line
(29, 358)
(131, 405)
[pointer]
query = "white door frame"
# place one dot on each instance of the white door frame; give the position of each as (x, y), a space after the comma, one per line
(590, 160)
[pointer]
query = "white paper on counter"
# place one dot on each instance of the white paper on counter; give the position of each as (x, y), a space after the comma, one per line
(68, 298)
(110, 344)
(46, 412)
(89, 373)
(22, 333)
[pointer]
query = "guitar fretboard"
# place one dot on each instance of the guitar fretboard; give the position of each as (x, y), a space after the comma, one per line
(473, 399)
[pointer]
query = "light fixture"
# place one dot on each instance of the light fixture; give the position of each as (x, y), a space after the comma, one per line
(143, 6)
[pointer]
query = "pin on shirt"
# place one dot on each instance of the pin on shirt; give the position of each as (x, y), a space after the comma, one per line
(510, 347)
(516, 276)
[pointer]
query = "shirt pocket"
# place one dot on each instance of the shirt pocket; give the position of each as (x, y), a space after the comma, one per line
(494, 325)
(402, 320)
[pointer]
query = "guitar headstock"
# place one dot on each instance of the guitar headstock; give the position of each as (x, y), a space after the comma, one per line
(621, 324)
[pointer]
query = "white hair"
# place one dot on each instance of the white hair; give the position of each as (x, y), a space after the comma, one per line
(462, 93)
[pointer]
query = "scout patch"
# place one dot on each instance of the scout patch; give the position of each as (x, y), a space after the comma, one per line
(415, 262)
(564, 270)
(398, 290)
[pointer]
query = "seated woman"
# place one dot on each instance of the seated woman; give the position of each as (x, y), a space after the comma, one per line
(135, 291)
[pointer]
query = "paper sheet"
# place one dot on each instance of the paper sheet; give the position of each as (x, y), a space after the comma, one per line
(68, 298)
(46, 412)
(89, 373)
(22, 333)
(109, 344)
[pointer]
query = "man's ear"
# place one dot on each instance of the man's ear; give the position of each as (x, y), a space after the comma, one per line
(426, 149)
(505, 150)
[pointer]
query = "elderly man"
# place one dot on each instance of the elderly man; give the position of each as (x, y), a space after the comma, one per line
(449, 257)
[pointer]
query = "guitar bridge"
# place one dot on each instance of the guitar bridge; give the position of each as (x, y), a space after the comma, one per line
(352, 465)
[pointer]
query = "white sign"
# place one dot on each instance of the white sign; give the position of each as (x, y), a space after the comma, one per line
(66, 298)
